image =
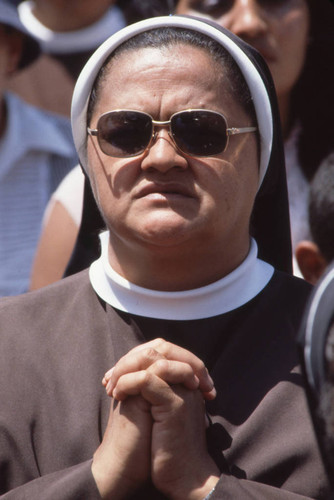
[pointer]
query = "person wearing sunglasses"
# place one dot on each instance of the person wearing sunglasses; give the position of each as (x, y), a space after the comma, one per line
(189, 314)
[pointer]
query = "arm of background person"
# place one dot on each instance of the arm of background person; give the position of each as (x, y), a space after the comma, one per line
(54, 248)
(60, 229)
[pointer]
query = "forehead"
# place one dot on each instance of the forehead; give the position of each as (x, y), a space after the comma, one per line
(182, 72)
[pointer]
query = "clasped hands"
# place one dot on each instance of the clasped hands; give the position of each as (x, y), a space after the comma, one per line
(156, 426)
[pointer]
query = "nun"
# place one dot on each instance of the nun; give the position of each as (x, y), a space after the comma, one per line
(189, 314)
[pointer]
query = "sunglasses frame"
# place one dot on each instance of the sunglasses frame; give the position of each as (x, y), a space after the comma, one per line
(162, 124)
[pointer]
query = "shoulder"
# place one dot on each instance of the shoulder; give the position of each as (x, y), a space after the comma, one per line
(60, 124)
(285, 298)
(43, 309)
(291, 284)
(16, 103)
(289, 290)
(57, 134)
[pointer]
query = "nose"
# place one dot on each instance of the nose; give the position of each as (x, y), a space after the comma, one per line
(247, 19)
(162, 154)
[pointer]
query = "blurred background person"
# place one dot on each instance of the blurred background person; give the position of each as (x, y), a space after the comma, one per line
(36, 152)
(68, 33)
(296, 38)
(314, 255)
(316, 342)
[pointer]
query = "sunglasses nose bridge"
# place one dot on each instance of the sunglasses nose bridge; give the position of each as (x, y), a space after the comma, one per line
(159, 125)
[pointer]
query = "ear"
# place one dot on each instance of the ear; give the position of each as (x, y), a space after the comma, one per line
(310, 261)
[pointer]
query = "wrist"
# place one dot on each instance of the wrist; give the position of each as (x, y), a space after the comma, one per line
(111, 482)
(202, 491)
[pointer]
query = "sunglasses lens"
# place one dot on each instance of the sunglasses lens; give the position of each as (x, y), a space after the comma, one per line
(124, 133)
(199, 132)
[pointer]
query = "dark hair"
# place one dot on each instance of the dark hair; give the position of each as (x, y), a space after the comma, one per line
(171, 37)
(321, 208)
(135, 10)
(312, 97)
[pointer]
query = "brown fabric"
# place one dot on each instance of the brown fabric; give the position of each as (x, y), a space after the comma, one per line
(57, 343)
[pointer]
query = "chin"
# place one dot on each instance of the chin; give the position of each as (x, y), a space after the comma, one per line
(166, 232)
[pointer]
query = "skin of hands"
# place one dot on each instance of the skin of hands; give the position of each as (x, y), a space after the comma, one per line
(168, 386)
(122, 464)
(168, 361)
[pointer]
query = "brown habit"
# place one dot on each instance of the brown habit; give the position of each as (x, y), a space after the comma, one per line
(57, 343)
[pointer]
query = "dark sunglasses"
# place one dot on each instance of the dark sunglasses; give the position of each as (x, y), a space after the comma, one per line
(195, 132)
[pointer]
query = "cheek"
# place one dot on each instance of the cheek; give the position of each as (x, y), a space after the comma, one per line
(113, 175)
(230, 188)
(112, 180)
(100, 178)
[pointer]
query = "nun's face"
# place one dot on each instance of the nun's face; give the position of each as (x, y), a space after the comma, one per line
(164, 199)
(277, 29)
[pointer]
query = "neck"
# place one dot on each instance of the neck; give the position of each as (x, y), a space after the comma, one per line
(64, 18)
(175, 269)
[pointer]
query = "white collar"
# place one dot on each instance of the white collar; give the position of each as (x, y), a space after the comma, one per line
(89, 38)
(226, 294)
(36, 129)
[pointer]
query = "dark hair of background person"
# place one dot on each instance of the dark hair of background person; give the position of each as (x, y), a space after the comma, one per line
(135, 10)
(313, 94)
(321, 208)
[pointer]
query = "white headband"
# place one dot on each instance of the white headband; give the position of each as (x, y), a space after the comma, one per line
(90, 71)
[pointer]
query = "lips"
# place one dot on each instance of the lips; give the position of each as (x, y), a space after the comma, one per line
(164, 188)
